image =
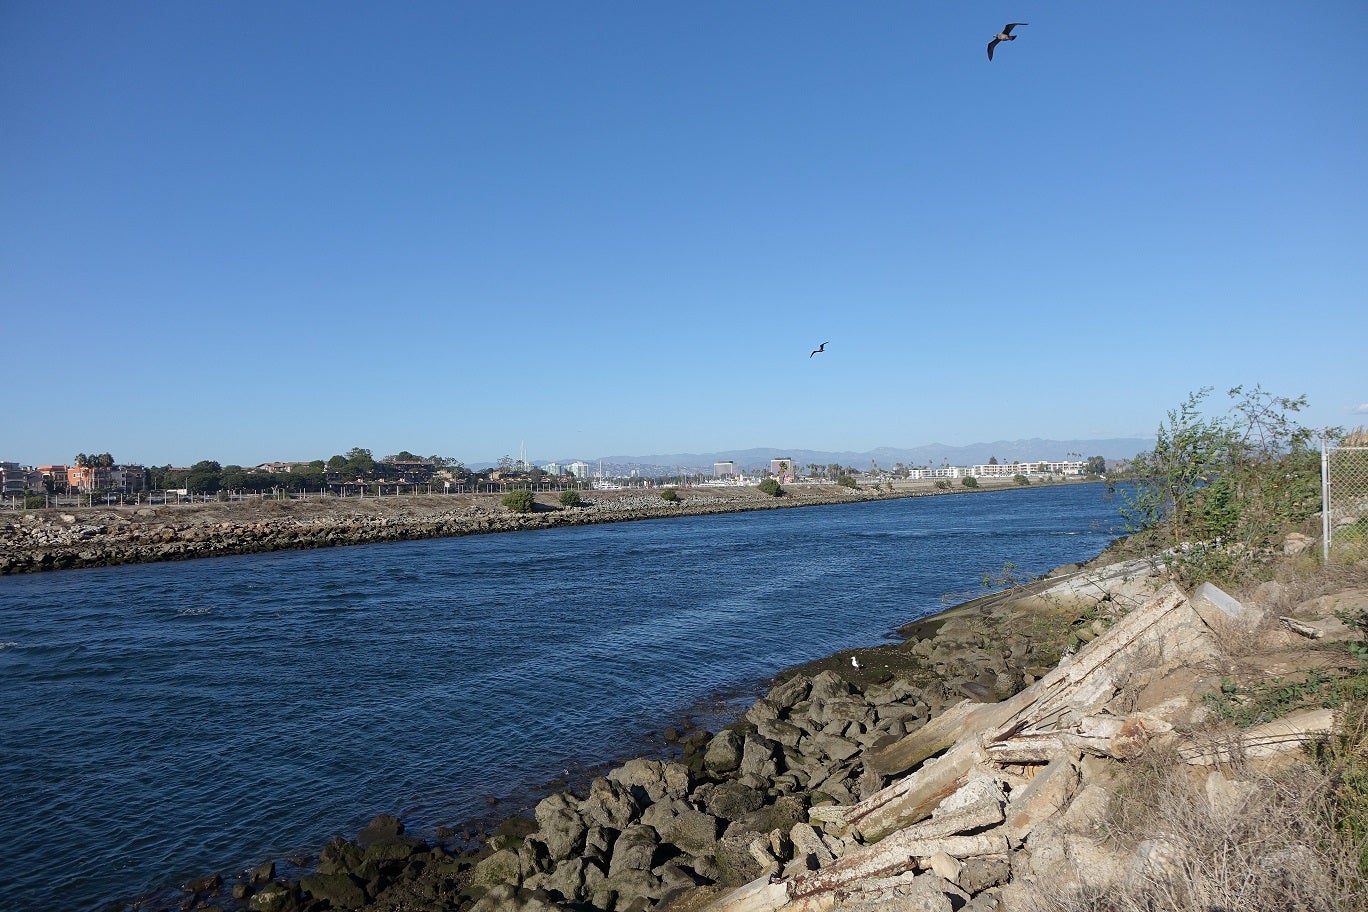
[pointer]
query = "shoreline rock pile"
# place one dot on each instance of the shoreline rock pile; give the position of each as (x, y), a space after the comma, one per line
(36, 541)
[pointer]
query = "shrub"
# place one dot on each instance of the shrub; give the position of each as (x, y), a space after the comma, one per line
(771, 487)
(845, 481)
(1021, 479)
(943, 485)
(1220, 490)
(969, 481)
(669, 494)
(570, 498)
(35, 502)
(520, 501)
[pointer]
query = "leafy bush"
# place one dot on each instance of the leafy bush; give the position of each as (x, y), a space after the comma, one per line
(845, 481)
(1021, 479)
(969, 481)
(570, 498)
(1216, 492)
(771, 487)
(943, 484)
(669, 494)
(35, 502)
(520, 501)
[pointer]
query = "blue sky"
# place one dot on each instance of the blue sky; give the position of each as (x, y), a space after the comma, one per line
(257, 231)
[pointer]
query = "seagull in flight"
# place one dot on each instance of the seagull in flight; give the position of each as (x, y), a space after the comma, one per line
(820, 348)
(1004, 35)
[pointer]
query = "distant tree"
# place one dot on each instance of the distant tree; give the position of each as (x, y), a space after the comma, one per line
(943, 484)
(671, 495)
(845, 481)
(203, 477)
(992, 460)
(403, 456)
(771, 487)
(337, 464)
(104, 461)
(360, 463)
(1096, 465)
(1021, 479)
(81, 460)
(505, 463)
(969, 481)
(570, 498)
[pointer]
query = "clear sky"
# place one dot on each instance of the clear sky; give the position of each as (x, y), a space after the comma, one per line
(253, 231)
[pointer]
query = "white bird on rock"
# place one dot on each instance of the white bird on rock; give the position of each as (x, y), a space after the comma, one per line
(1004, 35)
(854, 663)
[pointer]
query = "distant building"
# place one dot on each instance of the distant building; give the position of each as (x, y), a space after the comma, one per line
(13, 478)
(552, 468)
(54, 478)
(782, 465)
(405, 470)
(579, 469)
(995, 470)
(724, 469)
(128, 479)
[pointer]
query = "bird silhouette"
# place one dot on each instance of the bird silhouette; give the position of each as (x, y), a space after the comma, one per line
(820, 348)
(1004, 35)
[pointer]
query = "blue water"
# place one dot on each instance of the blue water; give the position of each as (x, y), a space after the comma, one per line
(160, 722)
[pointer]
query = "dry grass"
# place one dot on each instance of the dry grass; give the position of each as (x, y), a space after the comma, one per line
(1274, 846)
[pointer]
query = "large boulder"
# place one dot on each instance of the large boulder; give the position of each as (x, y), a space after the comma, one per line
(610, 804)
(653, 780)
(732, 801)
(691, 831)
(340, 891)
(724, 753)
(634, 850)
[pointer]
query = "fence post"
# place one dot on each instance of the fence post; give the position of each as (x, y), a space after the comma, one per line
(1325, 503)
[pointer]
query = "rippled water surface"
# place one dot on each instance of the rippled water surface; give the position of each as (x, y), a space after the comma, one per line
(159, 722)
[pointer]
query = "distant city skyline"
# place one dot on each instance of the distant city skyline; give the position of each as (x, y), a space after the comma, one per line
(1026, 450)
(244, 232)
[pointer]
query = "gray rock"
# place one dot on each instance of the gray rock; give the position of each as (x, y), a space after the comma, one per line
(762, 710)
(634, 850)
(653, 780)
(690, 830)
(610, 804)
(760, 757)
(341, 891)
(735, 863)
(732, 801)
(785, 733)
(724, 753)
(791, 692)
(827, 685)
(563, 834)
(507, 898)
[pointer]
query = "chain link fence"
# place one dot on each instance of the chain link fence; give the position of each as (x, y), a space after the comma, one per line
(1344, 490)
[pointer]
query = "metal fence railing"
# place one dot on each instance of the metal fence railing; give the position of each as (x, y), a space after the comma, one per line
(1344, 500)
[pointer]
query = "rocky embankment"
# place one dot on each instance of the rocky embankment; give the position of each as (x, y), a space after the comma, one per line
(38, 540)
(969, 767)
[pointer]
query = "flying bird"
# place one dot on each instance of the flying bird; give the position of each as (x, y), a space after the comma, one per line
(820, 348)
(1004, 35)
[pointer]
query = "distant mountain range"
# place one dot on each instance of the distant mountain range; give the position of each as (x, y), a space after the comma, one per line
(932, 454)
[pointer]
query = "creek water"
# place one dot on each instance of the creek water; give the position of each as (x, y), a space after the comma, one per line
(160, 722)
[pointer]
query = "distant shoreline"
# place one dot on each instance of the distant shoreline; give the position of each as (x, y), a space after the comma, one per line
(33, 541)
